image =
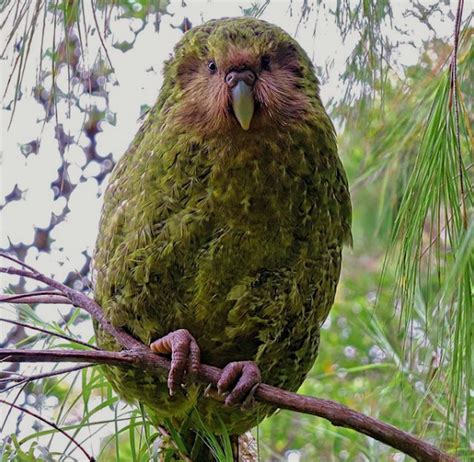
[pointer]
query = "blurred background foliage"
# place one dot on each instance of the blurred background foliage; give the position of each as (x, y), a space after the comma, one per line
(398, 343)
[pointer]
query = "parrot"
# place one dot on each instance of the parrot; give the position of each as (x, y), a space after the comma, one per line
(222, 227)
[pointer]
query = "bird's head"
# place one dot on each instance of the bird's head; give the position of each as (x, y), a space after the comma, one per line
(238, 75)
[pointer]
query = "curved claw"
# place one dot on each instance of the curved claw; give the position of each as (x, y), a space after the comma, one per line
(185, 356)
(238, 382)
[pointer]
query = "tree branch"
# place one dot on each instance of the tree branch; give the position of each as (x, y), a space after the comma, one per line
(35, 297)
(136, 354)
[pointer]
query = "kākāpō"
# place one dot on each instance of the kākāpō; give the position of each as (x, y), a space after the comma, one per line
(222, 225)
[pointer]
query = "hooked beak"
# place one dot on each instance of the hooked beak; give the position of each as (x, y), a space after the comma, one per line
(243, 103)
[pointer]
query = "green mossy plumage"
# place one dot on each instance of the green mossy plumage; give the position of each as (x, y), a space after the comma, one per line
(234, 235)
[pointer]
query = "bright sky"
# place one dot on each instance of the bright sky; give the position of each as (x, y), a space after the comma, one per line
(138, 73)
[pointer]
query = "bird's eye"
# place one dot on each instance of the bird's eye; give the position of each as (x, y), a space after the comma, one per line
(265, 61)
(212, 66)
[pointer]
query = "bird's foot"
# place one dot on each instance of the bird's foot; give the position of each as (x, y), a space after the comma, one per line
(185, 356)
(238, 383)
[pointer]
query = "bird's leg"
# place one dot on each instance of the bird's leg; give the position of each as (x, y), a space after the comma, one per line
(185, 356)
(238, 382)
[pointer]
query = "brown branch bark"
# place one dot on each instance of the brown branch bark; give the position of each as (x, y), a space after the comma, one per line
(336, 413)
(35, 297)
(136, 354)
(20, 379)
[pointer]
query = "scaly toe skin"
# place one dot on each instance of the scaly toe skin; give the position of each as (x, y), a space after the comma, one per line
(185, 356)
(238, 381)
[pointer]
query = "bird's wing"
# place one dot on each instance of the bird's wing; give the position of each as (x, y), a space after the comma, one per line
(151, 223)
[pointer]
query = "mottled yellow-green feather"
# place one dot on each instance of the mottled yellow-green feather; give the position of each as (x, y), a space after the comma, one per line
(236, 238)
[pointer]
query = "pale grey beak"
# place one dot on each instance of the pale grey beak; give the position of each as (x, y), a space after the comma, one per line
(243, 104)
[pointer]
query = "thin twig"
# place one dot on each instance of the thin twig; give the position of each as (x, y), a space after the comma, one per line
(24, 379)
(10, 409)
(11, 374)
(45, 375)
(44, 296)
(49, 332)
(101, 39)
(51, 424)
(18, 262)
